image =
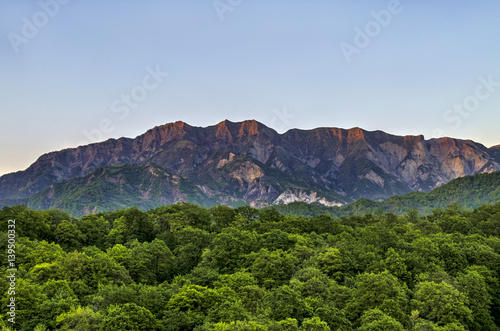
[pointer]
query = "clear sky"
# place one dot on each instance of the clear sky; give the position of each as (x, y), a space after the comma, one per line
(75, 72)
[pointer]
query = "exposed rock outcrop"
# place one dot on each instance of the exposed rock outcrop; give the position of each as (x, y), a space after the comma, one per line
(252, 162)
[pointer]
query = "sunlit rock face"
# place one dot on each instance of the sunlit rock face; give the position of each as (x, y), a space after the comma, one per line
(251, 162)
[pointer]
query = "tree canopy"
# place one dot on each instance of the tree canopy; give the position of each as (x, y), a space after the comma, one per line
(185, 267)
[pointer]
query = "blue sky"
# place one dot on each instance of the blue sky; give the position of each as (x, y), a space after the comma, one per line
(425, 67)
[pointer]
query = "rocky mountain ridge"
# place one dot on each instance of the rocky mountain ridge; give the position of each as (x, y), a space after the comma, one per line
(253, 163)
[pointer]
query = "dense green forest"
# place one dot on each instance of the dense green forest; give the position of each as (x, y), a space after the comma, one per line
(185, 267)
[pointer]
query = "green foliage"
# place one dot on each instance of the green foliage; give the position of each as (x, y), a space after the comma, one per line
(190, 243)
(223, 216)
(129, 317)
(376, 320)
(314, 324)
(239, 326)
(332, 263)
(381, 291)
(80, 319)
(274, 268)
(68, 235)
(94, 229)
(150, 263)
(184, 267)
(230, 246)
(441, 303)
(193, 297)
(134, 224)
(475, 288)
(285, 302)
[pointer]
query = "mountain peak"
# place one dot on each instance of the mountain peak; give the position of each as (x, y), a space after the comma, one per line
(249, 127)
(222, 130)
(172, 127)
(356, 134)
(228, 130)
(178, 125)
(323, 164)
(224, 123)
(162, 134)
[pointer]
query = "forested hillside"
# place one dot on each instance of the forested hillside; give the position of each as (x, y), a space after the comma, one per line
(185, 267)
(469, 192)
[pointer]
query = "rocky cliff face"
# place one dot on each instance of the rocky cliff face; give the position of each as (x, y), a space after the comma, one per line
(254, 163)
(359, 163)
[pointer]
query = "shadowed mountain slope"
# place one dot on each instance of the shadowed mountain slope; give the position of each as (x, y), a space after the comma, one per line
(250, 162)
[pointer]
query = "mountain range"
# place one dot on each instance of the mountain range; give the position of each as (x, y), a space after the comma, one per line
(243, 163)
